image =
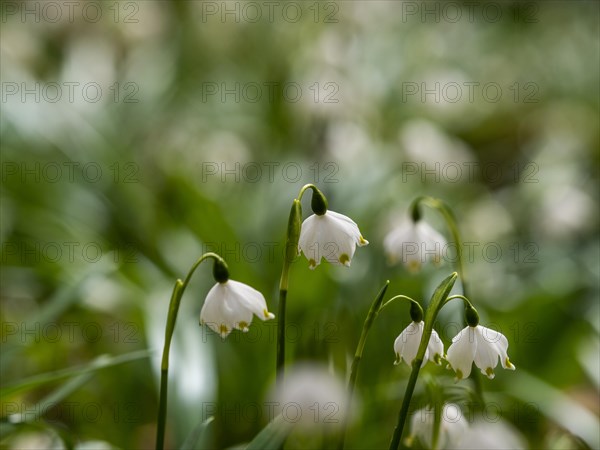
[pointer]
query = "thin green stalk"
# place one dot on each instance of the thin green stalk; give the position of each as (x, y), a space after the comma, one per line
(371, 315)
(452, 225)
(439, 298)
(178, 290)
(291, 251)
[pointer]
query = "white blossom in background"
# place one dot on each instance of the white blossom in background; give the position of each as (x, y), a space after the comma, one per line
(407, 344)
(332, 236)
(231, 305)
(480, 345)
(453, 426)
(414, 243)
(311, 397)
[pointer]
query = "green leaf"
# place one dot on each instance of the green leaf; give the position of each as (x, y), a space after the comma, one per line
(272, 436)
(196, 440)
(101, 362)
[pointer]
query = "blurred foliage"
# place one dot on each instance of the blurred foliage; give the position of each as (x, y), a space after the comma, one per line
(105, 202)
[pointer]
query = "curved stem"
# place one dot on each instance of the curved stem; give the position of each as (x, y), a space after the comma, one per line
(452, 225)
(178, 290)
(437, 301)
(371, 315)
(404, 297)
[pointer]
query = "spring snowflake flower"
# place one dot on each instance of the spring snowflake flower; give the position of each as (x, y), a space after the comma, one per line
(407, 343)
(332, 236)
(413, 243)
(453, 426)
(230, 305)
(480, 345)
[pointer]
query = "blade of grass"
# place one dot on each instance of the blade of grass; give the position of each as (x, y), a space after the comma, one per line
(101, 362)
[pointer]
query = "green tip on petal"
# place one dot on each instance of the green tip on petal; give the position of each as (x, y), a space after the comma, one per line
(459, 375)
(243, 326)
(509, 365)
(362, 241)
(312, 264)
(223, 330)
(344, 259)
(398, 359)
(489, 372)
(268, 315)
(437, 359)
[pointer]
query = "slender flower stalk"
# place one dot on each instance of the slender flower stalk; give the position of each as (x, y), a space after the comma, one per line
(228, 305)
(439, 298)
(371, 315)
(452, 225)
(325, 234)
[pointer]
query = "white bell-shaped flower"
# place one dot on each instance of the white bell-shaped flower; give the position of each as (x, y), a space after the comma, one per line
(480, 345)
(230, 305)
(407, 343)
(413, 243)
(332, 236)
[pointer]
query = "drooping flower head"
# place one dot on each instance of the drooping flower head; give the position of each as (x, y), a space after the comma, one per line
(329, 235)
(478, 344)
(413, 243)
(231, 304)
(407, 343)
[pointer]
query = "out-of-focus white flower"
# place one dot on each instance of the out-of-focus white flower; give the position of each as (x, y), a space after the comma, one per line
(230, 305)
(332, 236)
(479, 344)
(484, 434)
(407, 344)
(413, 243)
(453, 425)
(311, 397)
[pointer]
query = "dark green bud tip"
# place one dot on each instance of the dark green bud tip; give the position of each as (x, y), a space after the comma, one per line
(416, 312)
(318, 202)
(220, 271)
(416, 212)
(471, 316)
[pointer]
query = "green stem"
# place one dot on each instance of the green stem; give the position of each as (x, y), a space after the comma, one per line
(452, 225)
(371, 315)
(291, 251)
(439, 298)
(178, 290)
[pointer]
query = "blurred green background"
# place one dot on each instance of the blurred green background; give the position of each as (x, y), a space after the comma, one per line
(137, 135)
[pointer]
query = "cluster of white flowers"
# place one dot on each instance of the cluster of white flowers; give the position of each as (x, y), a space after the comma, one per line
(230, 304)
(478, 344)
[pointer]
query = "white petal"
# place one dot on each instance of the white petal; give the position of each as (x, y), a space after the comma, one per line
(249, 299)
(499, 342)
(307, 241)
(215, 313)
(486, 356)
(406, 344)
(435, 347)
(462, 352)
(432, 243)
